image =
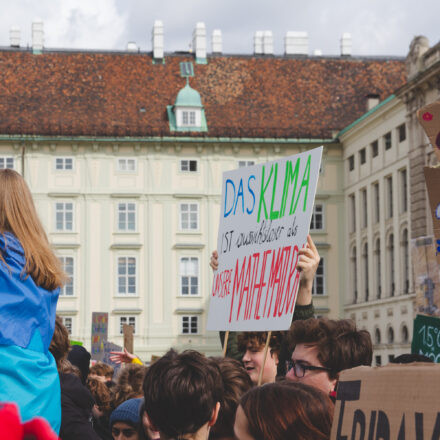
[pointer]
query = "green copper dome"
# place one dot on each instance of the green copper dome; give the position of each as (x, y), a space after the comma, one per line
(188, 97)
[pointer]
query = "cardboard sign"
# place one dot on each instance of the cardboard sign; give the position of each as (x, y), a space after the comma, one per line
(265, 217)
(426, 276)
(432, 178)
(99, 334)
(396, 402)
(426, 337)
(429, 118)
(108, 347)
(128, 337)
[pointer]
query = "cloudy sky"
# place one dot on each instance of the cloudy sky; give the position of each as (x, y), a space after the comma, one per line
(378, 27)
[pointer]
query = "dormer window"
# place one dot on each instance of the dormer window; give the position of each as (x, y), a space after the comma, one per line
(189, 118)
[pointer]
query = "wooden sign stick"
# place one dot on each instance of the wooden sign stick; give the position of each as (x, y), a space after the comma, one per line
(225, 343)
(260, 376)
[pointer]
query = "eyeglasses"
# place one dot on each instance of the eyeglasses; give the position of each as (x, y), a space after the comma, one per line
(300, 369)
(128, 432)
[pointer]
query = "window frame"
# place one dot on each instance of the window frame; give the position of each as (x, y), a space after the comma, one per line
(64, 318)
(71, 281)
(190, 318)
(189, 229)
(63, 168)
(388, 141)
(120, 160)
(181, 275)
(351, 163)
(321, 268)
(313, 220)
(136, 285)
(399, 132)
(64, 221)
(127, 318)
(127, 212)
(245, 163)
(188, 162)
(363, 156)
(5, 160)
(374, 148)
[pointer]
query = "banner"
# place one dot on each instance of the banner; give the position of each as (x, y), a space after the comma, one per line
(429, 118)
(264, 221)
(426, 337)
(99, 334)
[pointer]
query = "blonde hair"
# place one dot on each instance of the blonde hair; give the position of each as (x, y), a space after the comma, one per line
(19, 216)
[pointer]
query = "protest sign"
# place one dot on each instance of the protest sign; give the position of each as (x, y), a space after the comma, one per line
(264, 221)
(395, 402)
(426, 276)
(128, 337)
(429, 118)
(99, 334)
(432, 178)
(426, 337)
(108, 348)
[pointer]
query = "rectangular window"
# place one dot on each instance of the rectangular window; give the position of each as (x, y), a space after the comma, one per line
(352, 213)
(319, 281)
(376, 202)
(127, 217)
(351, 163)
(189, 216)
(364, 208)
(127, 165)
(64, 163)
(245, 163)
(64, 216)
(126, 276)
(391, 357)
(317, 222)
(378, 360)
(129, 320)
(68, 323)
(404, 191)
(7, 162)
(401, 129)
(362, 156)
(189, 118)
(67, 264)
(189, 276)
(375, 149)
(387, 141)
(389, 181)
(190, 325)
(188, 166)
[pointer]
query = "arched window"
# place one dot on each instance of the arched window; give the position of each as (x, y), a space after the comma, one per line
(405, 256)
(390, 335)
(405, 334)
(378, 269)
(377, 336)
(392, 284)
(354, 274)
(365, 269)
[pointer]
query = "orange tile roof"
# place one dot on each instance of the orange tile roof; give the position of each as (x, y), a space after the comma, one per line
(102, 94)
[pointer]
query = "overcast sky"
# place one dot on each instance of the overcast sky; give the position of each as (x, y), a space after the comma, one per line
(378, 27)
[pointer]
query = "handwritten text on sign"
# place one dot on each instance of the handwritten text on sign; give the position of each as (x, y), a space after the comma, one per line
(264, 221)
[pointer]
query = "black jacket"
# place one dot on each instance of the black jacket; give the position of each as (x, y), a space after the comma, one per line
(76, 410)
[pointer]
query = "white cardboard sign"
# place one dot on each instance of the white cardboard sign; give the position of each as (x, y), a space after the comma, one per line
(265, 217)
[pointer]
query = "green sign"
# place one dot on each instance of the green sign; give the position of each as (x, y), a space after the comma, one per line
(426, 337)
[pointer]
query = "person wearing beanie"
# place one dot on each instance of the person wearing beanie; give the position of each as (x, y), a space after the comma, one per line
(125, 420)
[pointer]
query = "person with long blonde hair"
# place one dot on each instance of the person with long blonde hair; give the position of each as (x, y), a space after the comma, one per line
(30, 279)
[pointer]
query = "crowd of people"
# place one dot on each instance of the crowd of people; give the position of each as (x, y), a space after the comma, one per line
(287, 394)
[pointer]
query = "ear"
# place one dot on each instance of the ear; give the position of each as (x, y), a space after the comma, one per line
(214, 416)
(275, 357)
(334, 383)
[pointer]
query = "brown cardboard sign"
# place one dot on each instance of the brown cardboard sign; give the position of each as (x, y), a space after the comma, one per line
(432, 178)
(398, 402)
(429, 118)
(128, 337)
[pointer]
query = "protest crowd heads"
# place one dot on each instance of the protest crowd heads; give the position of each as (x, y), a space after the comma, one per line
(330, 345)
(19, 216)
(284, 411)
(182, 393)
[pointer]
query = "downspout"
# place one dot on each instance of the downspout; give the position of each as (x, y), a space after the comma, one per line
(23, 151)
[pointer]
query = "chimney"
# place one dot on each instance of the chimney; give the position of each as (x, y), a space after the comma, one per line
(132, 46)
(216, 41)
(296, 43)
(267, 43)
(372, 100)
(37, 36)
(14, 36)
(346, 44)
(157, 40)
(199, 42)
(258, 43)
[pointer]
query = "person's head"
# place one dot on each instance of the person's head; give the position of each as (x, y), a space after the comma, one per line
(129, 383)
(183, 394)
(80, 357)
(19, 217)
(60, 344)
(236, 382)
(102, 395)
(102, 370)
(252, 344)
(408, 358)
(125, 420)
(284, 411)
(323, 348)
(147, 431)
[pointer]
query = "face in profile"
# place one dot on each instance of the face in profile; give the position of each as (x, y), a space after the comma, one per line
(253, 362)
(148, 429)
(241, 425)
(123, 431)
(307, 355)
